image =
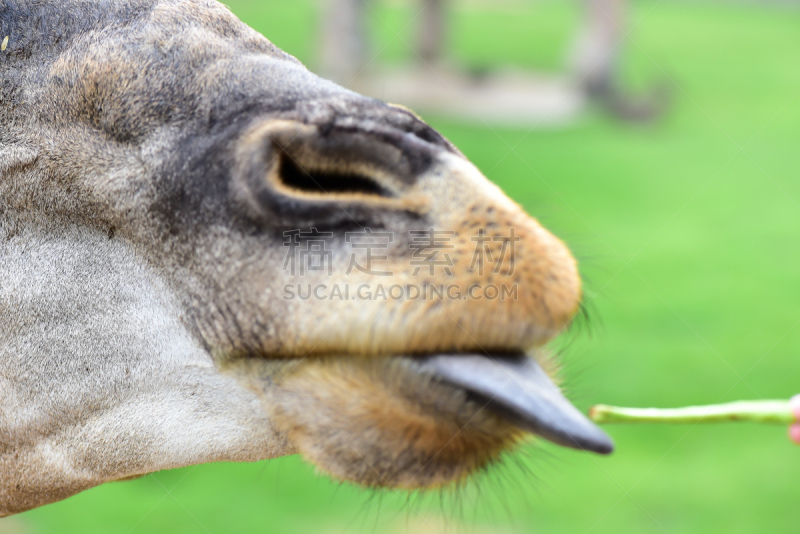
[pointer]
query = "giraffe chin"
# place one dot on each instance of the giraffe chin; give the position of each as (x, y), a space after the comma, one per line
(422, 421)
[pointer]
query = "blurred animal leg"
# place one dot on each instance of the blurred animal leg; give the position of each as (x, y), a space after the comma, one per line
(430, 46)
(344, 43)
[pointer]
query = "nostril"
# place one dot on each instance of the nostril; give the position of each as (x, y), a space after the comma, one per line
(288, 173)
(330, 181)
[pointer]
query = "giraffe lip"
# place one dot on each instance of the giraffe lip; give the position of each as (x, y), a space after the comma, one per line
(517, 389)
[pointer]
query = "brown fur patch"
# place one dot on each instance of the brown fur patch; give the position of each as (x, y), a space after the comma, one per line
(380, 423)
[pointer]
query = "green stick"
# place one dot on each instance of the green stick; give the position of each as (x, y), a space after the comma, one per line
(763, 411)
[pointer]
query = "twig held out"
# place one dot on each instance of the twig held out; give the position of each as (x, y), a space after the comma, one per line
(761, 411)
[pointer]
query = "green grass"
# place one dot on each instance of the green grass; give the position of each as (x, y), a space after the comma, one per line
(690, 248)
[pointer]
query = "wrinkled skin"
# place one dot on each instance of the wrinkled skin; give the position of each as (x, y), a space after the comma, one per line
(153, 156)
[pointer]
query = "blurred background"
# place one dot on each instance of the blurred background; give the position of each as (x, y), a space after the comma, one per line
(661, 140)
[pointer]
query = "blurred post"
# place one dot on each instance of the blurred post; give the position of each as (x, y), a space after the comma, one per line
(344, 43)
(430, 45)
(598, 46)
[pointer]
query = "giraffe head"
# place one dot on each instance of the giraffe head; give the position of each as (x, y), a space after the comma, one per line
(331, 254)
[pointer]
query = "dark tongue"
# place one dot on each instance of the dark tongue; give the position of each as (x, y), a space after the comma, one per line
(519, 390)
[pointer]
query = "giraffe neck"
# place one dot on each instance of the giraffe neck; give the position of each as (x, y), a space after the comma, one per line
(83, 319)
